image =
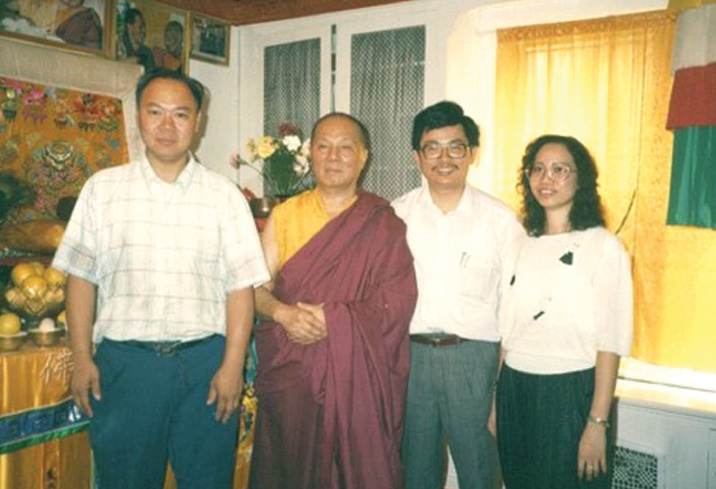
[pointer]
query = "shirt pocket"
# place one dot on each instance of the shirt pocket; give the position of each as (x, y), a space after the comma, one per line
(478, 278)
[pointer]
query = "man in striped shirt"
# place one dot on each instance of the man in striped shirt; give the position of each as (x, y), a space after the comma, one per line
(163, 256)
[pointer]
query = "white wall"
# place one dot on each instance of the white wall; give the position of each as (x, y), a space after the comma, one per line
(221, 129)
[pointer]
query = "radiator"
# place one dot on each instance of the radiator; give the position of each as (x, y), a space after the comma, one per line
(637, 468)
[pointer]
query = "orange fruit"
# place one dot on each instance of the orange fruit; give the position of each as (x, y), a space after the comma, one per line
(39, 267)
(54, 277)
(33, 286)
(9, 324)
(35, 306)
(54, 297)
(14, 298)
(21, 271)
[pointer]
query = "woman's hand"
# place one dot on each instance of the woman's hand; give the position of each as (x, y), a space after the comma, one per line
(492, 418)
(592, 456)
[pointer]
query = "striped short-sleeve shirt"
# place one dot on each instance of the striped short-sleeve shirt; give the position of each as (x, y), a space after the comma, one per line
(163, 255)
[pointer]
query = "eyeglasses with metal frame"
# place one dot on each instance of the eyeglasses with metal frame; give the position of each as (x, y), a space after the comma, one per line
(558, 172)
(455, 150)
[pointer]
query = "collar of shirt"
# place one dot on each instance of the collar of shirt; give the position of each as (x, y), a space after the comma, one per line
(466, 208)
(181, 183)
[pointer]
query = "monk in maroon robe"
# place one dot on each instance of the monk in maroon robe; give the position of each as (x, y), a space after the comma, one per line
(79, 25)
(333, 355)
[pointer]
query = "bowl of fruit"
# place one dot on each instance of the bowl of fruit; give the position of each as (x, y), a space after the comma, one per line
(36, 292)
(11, 337)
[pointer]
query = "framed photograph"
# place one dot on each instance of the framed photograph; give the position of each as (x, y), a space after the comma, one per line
(210, 39)
(152, 34)
(79, 25)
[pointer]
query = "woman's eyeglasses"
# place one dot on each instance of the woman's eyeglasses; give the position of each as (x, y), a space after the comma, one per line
(558, 172)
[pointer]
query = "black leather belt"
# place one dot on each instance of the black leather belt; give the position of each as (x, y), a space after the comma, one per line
(165, 348)
(437, 339)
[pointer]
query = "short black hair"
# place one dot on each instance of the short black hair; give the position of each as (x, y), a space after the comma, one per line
(362, 130)
(444, 114)
(195, 87)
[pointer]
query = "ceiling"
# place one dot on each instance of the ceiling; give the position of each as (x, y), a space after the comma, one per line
(239, 12)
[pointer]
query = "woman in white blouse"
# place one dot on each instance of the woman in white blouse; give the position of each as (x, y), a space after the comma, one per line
(566, 320)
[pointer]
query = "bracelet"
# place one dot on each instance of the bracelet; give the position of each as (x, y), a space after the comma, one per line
(598, 421)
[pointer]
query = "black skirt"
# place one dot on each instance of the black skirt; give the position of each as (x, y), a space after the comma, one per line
(540, 420)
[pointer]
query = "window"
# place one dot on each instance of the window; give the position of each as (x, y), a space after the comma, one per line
(292, 85)
(387, 90)
(369, 64)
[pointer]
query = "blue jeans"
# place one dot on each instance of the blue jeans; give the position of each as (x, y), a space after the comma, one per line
(449, 398)
(153, 410)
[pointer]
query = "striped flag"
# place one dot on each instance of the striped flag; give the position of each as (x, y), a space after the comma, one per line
(692, 118)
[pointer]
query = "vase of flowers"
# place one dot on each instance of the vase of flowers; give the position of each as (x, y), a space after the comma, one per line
(282, 161)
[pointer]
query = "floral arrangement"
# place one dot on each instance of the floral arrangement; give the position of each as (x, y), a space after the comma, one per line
(285, 168)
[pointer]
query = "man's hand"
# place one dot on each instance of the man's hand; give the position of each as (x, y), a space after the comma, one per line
(592, 458)
(225, 390)
(303, 323)
(85, 378)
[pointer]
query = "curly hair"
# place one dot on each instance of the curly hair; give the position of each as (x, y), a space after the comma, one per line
(586, 211)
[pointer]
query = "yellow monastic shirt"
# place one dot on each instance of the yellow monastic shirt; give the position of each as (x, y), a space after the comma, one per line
(298, 220)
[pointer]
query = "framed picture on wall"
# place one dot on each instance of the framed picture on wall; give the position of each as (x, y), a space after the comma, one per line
(152, 34)
(79, 25)
(210, 39)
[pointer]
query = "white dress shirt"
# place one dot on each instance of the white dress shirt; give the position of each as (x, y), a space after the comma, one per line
(163, 255)
(460, 258)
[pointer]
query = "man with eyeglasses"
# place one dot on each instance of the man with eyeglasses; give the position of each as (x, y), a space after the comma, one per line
(461, 239)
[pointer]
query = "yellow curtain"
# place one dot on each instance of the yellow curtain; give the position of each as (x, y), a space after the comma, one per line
(679, 5)
(607, 82)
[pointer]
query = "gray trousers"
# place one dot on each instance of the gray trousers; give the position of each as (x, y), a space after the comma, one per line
(449, 398)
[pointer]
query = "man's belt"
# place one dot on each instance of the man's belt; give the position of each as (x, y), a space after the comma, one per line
(166, 348)
(436, 340)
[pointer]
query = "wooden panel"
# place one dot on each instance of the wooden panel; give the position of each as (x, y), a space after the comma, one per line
(253, 11)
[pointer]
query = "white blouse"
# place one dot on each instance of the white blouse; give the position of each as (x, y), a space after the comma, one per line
(569, 297)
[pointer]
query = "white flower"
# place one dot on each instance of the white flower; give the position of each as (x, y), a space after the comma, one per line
(292, 142)
(306, 147)
(300, 164)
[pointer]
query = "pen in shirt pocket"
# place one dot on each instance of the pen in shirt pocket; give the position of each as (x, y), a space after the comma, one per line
(464, 259)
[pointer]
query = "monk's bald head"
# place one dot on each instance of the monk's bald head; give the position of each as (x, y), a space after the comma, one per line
(360, 128)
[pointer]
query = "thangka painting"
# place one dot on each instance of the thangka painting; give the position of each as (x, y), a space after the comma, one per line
(53, 139)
